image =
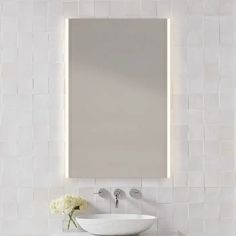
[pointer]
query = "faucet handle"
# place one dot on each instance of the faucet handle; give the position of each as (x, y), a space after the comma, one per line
(117, 193)
(101, 192)
(135, 193)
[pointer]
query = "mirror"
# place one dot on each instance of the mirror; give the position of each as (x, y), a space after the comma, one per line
(118, 98)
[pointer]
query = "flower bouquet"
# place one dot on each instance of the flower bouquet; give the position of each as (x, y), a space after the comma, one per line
(68, 205)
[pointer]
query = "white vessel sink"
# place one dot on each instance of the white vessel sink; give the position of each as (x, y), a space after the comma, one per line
(115, 224)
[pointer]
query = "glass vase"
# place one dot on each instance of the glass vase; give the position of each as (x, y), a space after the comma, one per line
(69, 224)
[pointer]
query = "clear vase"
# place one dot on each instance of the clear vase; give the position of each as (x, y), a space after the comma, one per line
(70, 225)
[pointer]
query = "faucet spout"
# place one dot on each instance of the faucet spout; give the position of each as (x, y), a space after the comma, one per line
(117, 196)
(116, 204)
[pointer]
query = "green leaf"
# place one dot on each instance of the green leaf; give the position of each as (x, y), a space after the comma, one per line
(76, 208)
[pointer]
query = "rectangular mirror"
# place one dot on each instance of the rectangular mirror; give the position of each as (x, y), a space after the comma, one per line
(118, 98)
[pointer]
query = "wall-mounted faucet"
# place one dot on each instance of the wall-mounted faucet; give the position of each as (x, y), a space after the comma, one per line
(135, 193)
(102, 192)
(117, 193)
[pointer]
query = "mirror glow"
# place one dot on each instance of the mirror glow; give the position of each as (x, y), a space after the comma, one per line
(118, 98)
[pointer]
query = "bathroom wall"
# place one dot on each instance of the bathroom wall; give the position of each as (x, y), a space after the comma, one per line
(200, 198)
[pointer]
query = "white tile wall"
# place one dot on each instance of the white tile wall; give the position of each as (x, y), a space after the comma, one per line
(200, 198)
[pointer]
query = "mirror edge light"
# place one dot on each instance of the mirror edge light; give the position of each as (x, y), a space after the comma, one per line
(66, 114)
(168, 101)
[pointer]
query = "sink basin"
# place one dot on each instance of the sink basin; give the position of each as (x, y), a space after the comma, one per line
(115, 224)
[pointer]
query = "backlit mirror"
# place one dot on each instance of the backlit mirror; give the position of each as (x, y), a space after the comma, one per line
(117, 98)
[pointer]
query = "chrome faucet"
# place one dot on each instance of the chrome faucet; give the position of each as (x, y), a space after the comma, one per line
(102, 192)
(117, 193)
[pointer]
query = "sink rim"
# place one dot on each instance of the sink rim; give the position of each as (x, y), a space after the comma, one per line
(116, 216)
